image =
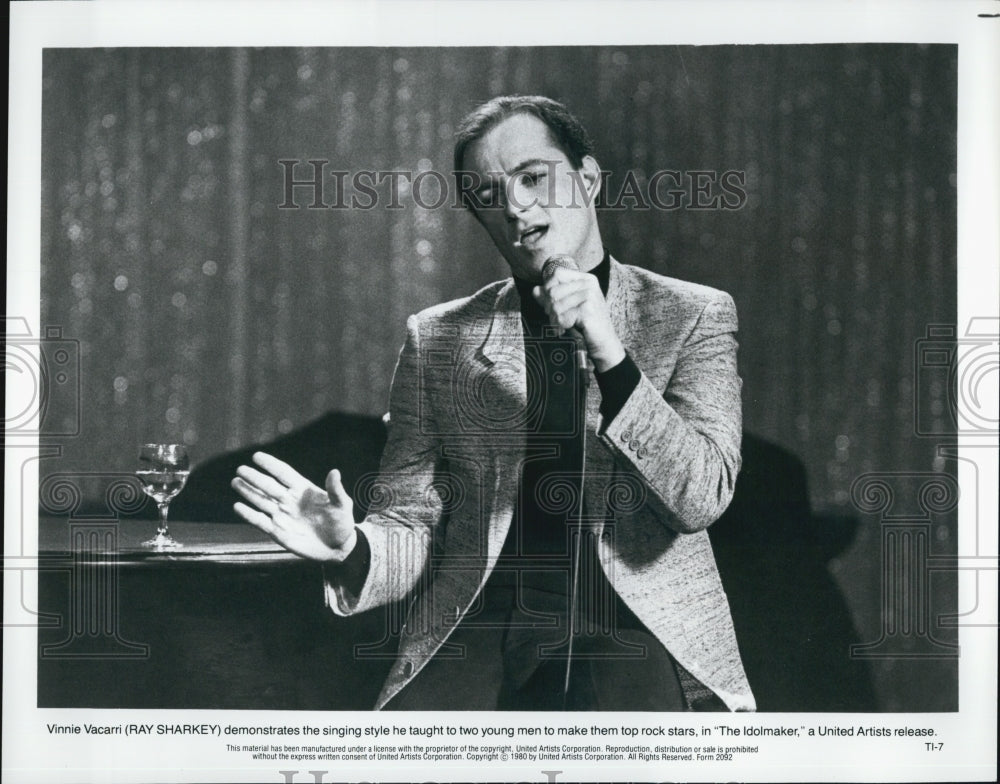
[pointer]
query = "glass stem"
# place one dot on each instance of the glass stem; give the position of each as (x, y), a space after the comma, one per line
(162, 530)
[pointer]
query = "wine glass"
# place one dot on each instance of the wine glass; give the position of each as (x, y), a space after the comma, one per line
(163, 470)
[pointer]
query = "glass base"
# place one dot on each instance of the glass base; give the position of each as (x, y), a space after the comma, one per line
(162, 542)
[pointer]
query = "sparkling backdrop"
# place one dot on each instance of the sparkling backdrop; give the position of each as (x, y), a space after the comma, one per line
(209, 315)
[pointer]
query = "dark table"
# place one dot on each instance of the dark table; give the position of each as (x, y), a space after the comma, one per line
(231, 620)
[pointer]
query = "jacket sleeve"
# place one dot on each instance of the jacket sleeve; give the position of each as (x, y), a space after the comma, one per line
(404, 502)
(684, 440)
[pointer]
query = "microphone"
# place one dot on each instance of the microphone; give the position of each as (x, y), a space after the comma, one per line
(552, 263)
(563, 261)
(582, 367)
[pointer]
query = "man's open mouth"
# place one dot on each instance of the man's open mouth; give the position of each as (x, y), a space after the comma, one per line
(532, 235)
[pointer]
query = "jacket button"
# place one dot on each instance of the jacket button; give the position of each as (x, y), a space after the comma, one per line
(627, 436)
(407, 669)
(634, 446)
(641, 453)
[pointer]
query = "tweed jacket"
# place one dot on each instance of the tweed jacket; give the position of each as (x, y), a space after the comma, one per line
(657, 474)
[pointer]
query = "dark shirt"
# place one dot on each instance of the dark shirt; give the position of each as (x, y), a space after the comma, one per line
(554, 455)
(550, 477)
(535, 573)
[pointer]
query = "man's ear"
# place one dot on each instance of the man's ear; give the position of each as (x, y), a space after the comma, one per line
(591, 171)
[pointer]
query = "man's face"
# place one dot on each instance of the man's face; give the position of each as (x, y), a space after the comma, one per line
(537, 204)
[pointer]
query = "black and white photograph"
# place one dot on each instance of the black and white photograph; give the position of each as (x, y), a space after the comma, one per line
(433, 405)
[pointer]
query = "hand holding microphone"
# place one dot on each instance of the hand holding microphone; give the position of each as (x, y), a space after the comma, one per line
(574, 302)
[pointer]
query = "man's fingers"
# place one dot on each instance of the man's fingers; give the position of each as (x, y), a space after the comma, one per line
(255, 518)
(335, 489)
(266, 484)
(568, 303)
(558, 290)
(280, 470)
(567, 310)
(252, 494)
(564, 275)
(576, 290)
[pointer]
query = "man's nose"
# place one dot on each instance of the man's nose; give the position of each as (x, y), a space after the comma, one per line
(516, 197)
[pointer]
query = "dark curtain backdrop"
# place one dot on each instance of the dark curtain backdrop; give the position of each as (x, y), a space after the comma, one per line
(209, 315)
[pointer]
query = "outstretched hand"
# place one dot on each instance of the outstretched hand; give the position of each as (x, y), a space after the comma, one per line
(310, 521)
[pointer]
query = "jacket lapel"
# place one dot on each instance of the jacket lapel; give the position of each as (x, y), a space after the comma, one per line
(505, 331)
(600, 465)
(502, 354)
(620, 305)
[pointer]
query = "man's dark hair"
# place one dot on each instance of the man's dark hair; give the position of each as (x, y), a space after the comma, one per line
(566, 131)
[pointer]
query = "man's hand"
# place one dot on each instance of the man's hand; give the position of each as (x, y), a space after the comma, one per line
(304, 518)
(574, 300)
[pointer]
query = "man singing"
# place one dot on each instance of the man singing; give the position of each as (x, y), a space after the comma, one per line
(524, 593)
